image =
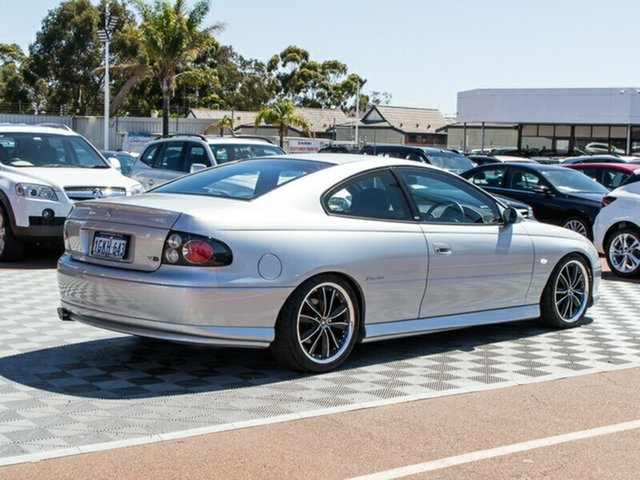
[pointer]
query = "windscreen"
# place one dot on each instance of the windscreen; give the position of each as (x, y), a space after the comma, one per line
(23, 149)
(571, 181)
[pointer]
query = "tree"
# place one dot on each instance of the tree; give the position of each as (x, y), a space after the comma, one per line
(171, 37)
(225, 123)
(13, 89)
(308, 83)
(283, 115)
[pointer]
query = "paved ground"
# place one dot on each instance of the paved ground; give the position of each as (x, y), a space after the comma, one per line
(424, 435)
(65, 387)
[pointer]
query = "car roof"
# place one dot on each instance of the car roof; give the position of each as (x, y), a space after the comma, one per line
(212, 140)
(526, 165)
(51, 130)
(347, 158)
(627, 167)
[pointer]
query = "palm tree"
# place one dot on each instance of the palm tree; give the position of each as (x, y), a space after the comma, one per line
(283, 115)
(172, 36)
(225, 122)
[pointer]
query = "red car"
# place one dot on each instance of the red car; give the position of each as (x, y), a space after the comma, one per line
(611, 175)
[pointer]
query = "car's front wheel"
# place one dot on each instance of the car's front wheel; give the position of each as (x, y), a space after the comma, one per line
(578, 225)
(317, 327)
(623, 252)
(10, 248)
(566, 296)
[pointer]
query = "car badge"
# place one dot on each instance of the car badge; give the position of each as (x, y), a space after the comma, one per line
(97, 193)
(107, 213)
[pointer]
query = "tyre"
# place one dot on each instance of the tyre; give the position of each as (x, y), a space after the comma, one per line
(579, 225)
(623, 252)
(566, 296)
(10, 248)
(317, 326)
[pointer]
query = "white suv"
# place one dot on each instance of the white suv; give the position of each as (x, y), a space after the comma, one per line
(43, 171)
(173, 156)
(616, 230)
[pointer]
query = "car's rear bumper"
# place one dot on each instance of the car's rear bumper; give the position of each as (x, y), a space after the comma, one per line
(156, 305)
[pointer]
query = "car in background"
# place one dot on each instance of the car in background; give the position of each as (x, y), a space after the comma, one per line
(339, 149)
(44, 171)
(610, 175)
(602, 159)
(486, 159)
(557, 194)
(173, 156)
(224, 257)
(440, 157)
(126, 160)
(616, 230)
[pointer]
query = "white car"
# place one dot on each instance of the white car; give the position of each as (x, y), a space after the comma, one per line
(44, 170)
(617, 230)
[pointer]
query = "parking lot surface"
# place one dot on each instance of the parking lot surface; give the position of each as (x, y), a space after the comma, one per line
(66, 387)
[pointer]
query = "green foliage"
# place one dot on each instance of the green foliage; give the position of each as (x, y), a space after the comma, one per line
(308, 83)
(282, 114)
(171, 37)
(14, 93)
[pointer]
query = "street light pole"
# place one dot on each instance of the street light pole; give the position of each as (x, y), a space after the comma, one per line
(105, 37)
(358, 110)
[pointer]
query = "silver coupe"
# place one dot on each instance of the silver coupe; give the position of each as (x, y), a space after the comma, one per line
(309, 254)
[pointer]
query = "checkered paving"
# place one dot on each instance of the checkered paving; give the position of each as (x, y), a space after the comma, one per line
(64, 384)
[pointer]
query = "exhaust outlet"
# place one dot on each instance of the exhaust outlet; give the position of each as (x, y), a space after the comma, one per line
(64, 314)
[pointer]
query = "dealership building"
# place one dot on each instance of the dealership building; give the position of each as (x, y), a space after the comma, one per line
(590, 120)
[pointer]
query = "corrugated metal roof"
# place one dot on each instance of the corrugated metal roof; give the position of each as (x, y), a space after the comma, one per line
(409, 119)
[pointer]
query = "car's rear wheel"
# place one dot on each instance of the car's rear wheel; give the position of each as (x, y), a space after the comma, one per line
(318, 325)
(578, 225)
(623, 252)
(566, 296)
(10, 248)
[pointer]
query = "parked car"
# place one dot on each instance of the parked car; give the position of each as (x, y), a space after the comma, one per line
(440, 157)
(478, 160)
(557, 194)
(43, 172)
(173, 156)
(602, 159)
(610, 175)
(617, 230)
(125, 159)
(310, 254)
(339, 149)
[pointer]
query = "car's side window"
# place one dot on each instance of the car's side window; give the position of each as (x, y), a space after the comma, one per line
(489, 177)
(523, 180)
(195, 153)
(442, 198)
(149, 153)
(613, 178)
(374, 195)
(169, 158)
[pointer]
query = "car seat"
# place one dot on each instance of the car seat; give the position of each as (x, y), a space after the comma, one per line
(371, 202)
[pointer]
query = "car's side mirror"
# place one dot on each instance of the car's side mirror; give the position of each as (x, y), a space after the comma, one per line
(115, 163)
(542, 190)
(196, 167)
(510, 216)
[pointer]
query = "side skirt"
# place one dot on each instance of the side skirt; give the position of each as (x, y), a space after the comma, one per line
(406, 328)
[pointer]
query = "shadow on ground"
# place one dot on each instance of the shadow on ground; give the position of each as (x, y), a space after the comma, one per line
(131, 367)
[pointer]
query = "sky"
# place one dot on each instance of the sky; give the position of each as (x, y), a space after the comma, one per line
(423, 51)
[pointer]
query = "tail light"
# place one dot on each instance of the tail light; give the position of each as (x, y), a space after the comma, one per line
(607, 200)
(196, 250)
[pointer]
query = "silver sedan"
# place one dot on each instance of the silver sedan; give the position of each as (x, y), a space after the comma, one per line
(309, 254)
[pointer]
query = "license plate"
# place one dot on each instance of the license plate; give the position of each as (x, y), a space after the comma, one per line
(109, 245)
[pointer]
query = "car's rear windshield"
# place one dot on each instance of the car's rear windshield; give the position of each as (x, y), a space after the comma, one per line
(449, 161)
(572, 181)
(229, 152)
(243, 180)
(24, 149)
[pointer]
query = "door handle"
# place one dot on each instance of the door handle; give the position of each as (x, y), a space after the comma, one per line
(442, 249)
